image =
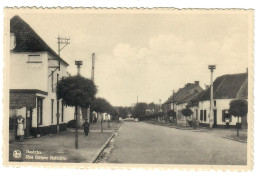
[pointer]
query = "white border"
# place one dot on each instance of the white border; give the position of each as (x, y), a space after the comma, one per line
(139, 3)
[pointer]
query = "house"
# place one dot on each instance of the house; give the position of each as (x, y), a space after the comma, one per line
(193, 104)
(225, 89)
(35, 70)
(181, 98)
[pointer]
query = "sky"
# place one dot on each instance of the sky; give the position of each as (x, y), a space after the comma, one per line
(147, 54)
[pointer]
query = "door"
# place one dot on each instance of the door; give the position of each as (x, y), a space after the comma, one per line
(28, 131)
(58, 115)
(215, 118)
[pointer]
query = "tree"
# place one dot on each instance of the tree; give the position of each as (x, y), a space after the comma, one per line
(186, 113)
(171, 113)
(122, 111)
(238, 108)
(139, 110)
(101, 105)
(76, 91)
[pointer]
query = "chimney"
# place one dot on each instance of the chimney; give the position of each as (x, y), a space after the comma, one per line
(197, 83)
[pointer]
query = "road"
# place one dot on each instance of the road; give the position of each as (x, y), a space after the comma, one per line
(142, 143)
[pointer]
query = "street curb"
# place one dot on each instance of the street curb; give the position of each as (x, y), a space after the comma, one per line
(179, 128)
(93, 160)
(230, 138)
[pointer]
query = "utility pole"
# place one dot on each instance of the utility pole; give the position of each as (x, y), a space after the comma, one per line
(92, 78)
(160, 106)
(78, 64)
(61, 40)
(93, 67)
(173, 92)
(211, 67)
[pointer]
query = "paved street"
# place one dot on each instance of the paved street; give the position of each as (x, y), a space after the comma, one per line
(139, 142)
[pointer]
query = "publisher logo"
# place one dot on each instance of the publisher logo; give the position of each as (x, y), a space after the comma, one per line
(17, 154)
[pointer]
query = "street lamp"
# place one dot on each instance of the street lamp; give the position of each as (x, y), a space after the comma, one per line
(78, 64)
(212, 68)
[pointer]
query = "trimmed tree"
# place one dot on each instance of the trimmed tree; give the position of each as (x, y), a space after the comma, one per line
(139, 111)
(172, 113)
(76, 91)
(101, 105)
(186, 113)
(238, 108)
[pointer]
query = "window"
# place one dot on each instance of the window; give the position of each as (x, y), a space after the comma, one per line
(52, 104)
(12, 41)
(57, 78)
(58, 112)
(201, 115)
(205, 115)
(39, 110)
(215, 103)
(62, 111)
(196, 114)
(34, 59)
(225, 114)
(52, 80)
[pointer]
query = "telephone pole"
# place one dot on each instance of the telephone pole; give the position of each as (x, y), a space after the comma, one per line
(61, 40)
(211, 67)
(93, 67)
(78, 64)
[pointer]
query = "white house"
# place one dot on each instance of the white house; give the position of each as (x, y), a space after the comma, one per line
(225, 89)
(35, 70)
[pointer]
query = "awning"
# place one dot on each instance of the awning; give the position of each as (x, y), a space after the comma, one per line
(20, 99)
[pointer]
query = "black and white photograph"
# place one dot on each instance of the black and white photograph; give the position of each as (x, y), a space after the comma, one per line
(138, 87)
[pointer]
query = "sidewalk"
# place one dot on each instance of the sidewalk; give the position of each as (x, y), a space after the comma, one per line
(219, 132)
(60, 147)
(112, 126)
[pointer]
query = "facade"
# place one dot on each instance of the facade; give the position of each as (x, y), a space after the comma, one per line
(181, 98)
(35, 70)
(225, 89)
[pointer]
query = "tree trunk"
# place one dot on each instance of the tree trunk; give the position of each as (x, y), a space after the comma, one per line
(76, 132)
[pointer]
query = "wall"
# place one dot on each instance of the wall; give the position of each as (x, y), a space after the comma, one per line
(24, 75)
(221, 104)
(68, 111)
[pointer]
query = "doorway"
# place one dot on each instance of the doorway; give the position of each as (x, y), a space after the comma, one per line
(215, 118)
(28, 132)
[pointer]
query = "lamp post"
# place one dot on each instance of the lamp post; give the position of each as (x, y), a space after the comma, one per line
(211, 68)
(78, 64)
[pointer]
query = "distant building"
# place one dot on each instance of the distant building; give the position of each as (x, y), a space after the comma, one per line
(181, 98)
(34, 73)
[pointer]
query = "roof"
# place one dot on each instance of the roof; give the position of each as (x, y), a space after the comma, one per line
(183, 95)
(228, 87)
(195, 100)
(27, 40)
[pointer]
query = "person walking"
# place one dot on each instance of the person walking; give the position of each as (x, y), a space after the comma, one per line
(20, 131)
(86, 127)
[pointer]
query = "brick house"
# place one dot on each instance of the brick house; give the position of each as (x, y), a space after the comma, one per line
(35, 70)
